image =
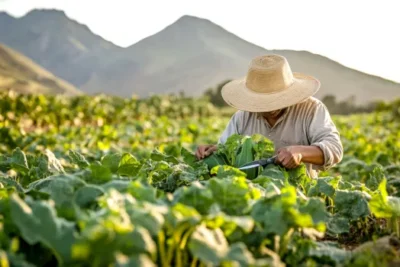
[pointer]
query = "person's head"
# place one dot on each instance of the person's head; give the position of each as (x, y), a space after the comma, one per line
(269, 87)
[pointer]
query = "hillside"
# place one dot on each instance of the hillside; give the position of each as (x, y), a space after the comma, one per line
(61, 45)
(193, 54)
(21, 74)
(190, 55)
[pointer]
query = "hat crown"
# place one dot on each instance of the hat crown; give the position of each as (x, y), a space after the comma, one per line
(269, 74)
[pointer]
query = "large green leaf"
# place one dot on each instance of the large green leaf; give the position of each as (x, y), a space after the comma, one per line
(325, 186)
(235, 195)
(316, 208)
(100, 173)
(54, 166)
(278, 213)
(38, 222)
(330, 253)
(87, 195)
(196, 195)
(122, 260)
(246, 155)
(338, 225)
(9, 182)
(18, 161)
(209, 245)
(351, 204)
(78, 159)
(111, 161)
(128, 165)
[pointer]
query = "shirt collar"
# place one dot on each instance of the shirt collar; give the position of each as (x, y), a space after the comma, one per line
(281, 118)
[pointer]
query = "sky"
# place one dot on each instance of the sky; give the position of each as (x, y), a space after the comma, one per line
(363, 35)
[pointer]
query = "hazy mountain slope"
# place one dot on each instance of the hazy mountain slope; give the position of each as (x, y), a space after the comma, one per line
(193, 54)
(63, 46)
(190, 55)
(21, 74)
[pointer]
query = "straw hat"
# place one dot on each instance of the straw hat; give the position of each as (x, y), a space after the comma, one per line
(269, 85)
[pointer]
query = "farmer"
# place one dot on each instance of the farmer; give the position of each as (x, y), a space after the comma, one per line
(279, 104)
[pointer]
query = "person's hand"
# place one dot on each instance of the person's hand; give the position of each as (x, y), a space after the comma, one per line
(205, 150)
(289, 157)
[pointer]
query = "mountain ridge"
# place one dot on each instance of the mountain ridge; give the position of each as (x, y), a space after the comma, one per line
(21, 74)
(190, 54)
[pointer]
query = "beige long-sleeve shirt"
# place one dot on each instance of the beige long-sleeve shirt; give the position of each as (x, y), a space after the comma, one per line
(306, 123)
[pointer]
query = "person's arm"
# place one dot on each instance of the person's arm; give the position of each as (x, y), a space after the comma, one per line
(324, 135)
(312, 155)
(293, 156)
(325, 149)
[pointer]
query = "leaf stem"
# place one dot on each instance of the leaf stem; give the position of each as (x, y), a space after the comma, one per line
(161, 244)
(194, 262)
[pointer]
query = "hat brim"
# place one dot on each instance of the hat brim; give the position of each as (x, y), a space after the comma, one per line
(236, 94)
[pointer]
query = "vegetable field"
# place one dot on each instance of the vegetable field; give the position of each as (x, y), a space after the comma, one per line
(101, 181)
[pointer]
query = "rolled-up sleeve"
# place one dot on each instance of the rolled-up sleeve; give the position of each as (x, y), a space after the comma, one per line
(231, 128)
(324, 134)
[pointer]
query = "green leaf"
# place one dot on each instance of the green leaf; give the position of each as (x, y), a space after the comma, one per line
(188, 157)
(338, 225)
(70, 179)
(325, 186)
(196, 195)
(375, 178)
(156, 155)
(141, 241)
(87, 195)
(38, 222)
(227, 172)
(239, 253)
(379, 202)
(278, 213)
(78, 159)
(351, 204)
(263, 147)
(298, 176)
(331, 251)
(61, 191)
(111, 161)
(275, 172)
(133, 261)
(246, 155)
(233, 195)
(208, 245)
(214, 160)
(128, 165)
(149, 216)
(100, 173)
(9, 182)
(230, 148)
(119, 185)
(18, 161)
(316, 208)
(53, 164)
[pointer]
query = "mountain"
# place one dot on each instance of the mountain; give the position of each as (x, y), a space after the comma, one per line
(21, 74)
(190, 55)
(193, 54)
(65, 47)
